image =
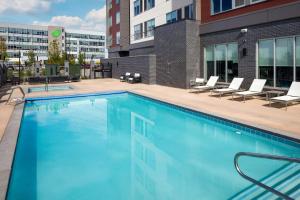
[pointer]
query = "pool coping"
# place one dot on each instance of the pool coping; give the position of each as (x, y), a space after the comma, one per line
(10, 137)
(7, 148)
(27, 87)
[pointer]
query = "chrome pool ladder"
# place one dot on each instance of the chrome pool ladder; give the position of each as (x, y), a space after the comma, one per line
(259, 183)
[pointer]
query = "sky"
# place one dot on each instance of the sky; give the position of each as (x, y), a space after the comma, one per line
(72, 14)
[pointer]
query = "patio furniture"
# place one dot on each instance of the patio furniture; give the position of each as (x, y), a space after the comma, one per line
(211, 83)
(255, 89)
(271, 93)
(233, 87)
(16, 100)
(125, 77)
(293, 95)
(136, 78)
(197, 82)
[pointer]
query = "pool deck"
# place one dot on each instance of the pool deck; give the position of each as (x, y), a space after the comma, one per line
(254, 112)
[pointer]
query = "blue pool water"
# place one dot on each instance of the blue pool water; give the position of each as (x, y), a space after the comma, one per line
(123, 146)
(50, 88)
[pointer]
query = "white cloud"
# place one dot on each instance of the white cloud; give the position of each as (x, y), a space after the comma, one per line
(26, 6)
(94, 21)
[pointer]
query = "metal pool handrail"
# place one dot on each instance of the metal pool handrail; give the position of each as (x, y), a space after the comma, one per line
(264, 156)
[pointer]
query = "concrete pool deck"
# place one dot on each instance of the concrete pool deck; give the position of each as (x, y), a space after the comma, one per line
(254, 112)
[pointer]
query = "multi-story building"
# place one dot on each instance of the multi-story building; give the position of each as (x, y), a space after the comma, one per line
(148, 14)
(172, 42)
(20, 39)
(89, 42)
(117, 27)
(251, 39)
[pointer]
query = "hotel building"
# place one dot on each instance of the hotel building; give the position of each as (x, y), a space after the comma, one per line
(251, 39)
(20, 39)
(173, 42)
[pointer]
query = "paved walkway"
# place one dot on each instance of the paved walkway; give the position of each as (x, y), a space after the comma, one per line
(254, 111)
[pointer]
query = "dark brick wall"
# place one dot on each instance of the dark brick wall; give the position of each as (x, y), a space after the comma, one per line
(247, 64)
(142, 51)
(145, 65)
(177, 53)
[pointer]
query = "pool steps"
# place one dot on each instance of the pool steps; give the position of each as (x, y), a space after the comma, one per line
(286, 180)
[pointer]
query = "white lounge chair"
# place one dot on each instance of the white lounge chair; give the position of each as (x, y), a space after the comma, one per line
(256, 88)
(197, 82)
(211, 83)
(293, 95)
(234, 86)
(18, 99)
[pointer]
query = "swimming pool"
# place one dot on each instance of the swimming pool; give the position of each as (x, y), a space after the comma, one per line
(50, 88)
(124, 146)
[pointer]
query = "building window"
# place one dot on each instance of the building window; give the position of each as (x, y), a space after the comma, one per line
(110, 21)
(118, 38)
(189, 12)
(220, 55)
(148, 4)
(117, 1)
(138, 31)
(149, 28)
(173, 16)
(109, 4)
(266, 61)
(218, 6)
(284, 62)
(222, 60)
(137, 7)
(232, 61)
(276, 61)
(239, 3)
(210, 61)
(297, 58)
(118, 18)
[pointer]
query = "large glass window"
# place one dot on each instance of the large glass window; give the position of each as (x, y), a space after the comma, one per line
(188, 12)
(232, 61)
(118, 18)
(286, 69)
(297, 58)
(284, 62)
(218, 6)
(226, 5)
(138, 31)
(118, 38)
(173, 16)
(222, 60)
(210, 61)
(149, 28)
(137, 7)
(266, 61)
(220, 53)
(149, 4)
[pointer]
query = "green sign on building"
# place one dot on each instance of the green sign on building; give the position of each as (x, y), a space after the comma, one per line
(56, 33)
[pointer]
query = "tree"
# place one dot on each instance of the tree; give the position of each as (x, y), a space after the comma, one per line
(31, 58)
(68, 57)
(81, 58)
(54, 54)
(3, 49)
(81, 61)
